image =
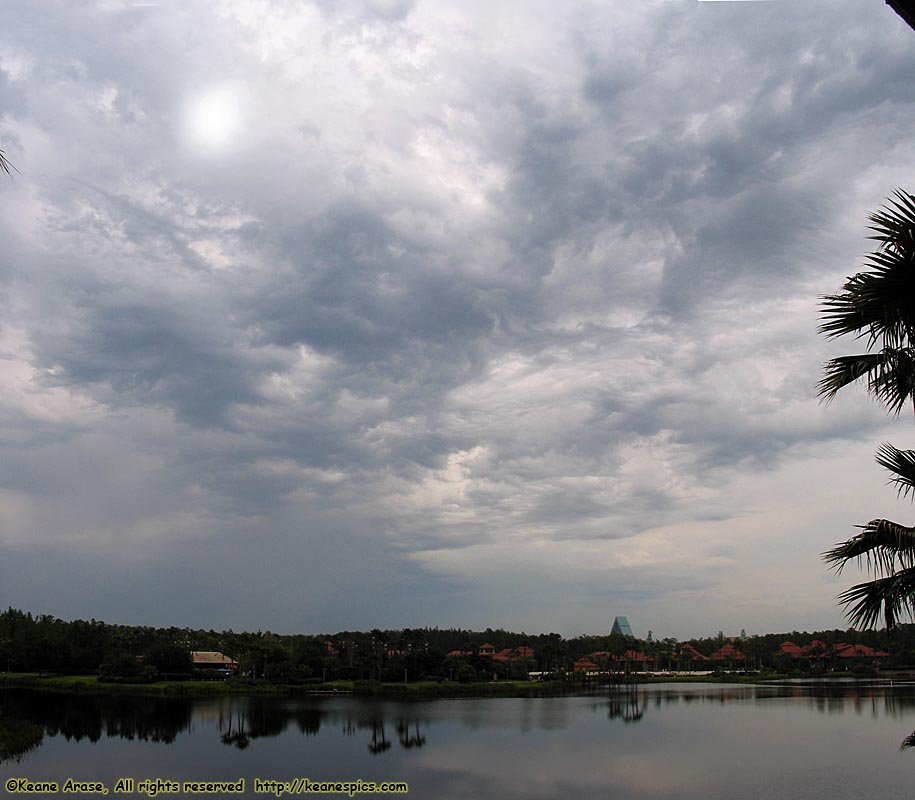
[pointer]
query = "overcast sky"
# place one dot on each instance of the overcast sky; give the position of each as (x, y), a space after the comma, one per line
(378, 313)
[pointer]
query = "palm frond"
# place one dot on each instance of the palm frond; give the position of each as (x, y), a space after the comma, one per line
(902, 464)
(890, 597)
(841, 371)
(883, 545)
(880, 302)
(889, 374)
(5, 165)
(894, 224)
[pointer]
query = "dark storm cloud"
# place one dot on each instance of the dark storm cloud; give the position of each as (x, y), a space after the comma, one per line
(740, 119)
(351, 294)
(150, 353)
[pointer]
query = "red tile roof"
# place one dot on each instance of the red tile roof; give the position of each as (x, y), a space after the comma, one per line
(858, 651)
(726, 652)
(689, 650)
(514, 654)
(634, 655)
(818, 648)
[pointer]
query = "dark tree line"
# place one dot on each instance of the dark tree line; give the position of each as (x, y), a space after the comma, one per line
(45, 644)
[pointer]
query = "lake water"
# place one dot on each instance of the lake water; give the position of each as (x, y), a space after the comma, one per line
(662, 741)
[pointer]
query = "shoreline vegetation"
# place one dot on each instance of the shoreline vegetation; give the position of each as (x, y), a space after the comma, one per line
(92, 685)
(92, 656)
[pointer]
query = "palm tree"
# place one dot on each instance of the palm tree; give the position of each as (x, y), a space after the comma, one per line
(879, 306)
(888, 551)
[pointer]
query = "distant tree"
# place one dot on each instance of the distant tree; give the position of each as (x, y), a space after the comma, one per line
(126, 668)
(47, 654)
(169, 659)
(550, 652)
(309, 653)
(520, 670)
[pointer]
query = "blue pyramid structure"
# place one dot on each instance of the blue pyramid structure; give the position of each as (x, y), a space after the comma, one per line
(621, 625)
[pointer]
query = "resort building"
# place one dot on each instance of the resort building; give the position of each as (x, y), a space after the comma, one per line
(514, 654)
(822, 655)
(727, 653)
(508, 654)
(690, 653)
(211, 659)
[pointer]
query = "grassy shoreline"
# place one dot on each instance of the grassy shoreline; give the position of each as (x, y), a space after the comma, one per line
(420, 690)
(91, 685)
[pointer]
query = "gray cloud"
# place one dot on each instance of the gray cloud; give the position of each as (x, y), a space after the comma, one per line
(474, 297)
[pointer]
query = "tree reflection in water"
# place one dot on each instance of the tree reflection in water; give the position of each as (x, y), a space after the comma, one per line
(243, 720)
(409, 740)
(378, 746)
(17, 738)
(236, 736)
(627, 704)
(873, 698)
(27, 717)
(79, 717)
(309, 721)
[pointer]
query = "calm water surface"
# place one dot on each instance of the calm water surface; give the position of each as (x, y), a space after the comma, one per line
(662, 741)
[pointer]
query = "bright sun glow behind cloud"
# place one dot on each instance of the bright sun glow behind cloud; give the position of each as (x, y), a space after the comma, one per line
(213, 119)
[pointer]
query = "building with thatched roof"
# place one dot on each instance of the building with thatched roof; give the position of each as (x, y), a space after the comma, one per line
(211, 659)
